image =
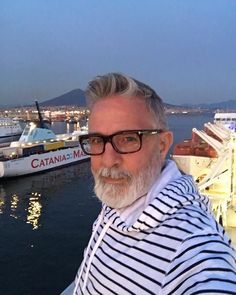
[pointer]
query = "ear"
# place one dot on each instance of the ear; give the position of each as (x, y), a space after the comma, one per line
(166, 140)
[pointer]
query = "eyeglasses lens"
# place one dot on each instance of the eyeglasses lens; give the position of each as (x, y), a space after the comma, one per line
(126, 142)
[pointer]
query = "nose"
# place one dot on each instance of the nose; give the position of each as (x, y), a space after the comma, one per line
(110, 157)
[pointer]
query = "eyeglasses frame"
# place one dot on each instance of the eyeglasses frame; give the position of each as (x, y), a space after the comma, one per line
(108, 138)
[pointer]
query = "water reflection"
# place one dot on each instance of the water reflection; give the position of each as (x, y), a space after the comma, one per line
(62, 127)
(25, 198)
(70, 127)
(2, 200)
(1, 205)
(34, 210)
(14, 205)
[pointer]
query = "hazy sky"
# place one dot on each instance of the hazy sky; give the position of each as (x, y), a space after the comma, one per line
(184, 49)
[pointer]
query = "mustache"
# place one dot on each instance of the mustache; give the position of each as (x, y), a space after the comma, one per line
(114, 173)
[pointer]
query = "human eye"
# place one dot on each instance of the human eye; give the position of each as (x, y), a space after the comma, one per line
(127, 138)
(95, 140)
(131, 137)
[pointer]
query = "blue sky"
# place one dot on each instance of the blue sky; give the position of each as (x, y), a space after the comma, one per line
(184, 49)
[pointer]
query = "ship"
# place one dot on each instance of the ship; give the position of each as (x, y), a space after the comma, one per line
(40, 149)
(210, 157)
(10, 129)
(226, 119)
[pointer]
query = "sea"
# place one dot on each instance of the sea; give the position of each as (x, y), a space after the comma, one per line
(46, 220)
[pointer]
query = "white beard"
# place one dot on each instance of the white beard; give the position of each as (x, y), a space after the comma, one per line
(122, 195)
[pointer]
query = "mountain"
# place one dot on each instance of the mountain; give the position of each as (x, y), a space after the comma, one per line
(77, 97)
(74, 97)
(223, 105)
(226, 105)
(178, 107)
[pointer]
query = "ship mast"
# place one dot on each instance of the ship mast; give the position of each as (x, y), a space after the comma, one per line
(41, 122)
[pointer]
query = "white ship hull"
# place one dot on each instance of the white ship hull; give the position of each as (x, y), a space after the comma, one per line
(193, 165)
(210, 157)
(41, 162)
(201, 168)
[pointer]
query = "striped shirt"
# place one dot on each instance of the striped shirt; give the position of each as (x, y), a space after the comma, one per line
(175, 246)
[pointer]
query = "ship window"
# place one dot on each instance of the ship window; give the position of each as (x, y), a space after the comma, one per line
(26, 130)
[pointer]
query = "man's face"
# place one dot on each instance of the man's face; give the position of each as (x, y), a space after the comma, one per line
(120, 179)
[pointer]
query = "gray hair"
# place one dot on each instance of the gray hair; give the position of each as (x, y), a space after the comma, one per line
(118, 84)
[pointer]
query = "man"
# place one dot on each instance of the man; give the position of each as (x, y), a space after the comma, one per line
(155, 233)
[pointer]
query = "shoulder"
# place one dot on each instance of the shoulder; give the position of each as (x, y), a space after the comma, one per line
(204, 260)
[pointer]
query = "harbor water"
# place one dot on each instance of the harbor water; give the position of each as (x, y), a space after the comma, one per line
(46, 219)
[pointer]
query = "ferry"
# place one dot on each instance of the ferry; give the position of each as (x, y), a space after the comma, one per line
(10, 129)
(40, 149)
(227, 119)
(210, 157)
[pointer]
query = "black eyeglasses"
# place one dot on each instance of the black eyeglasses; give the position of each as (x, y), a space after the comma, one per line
(123, 142)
